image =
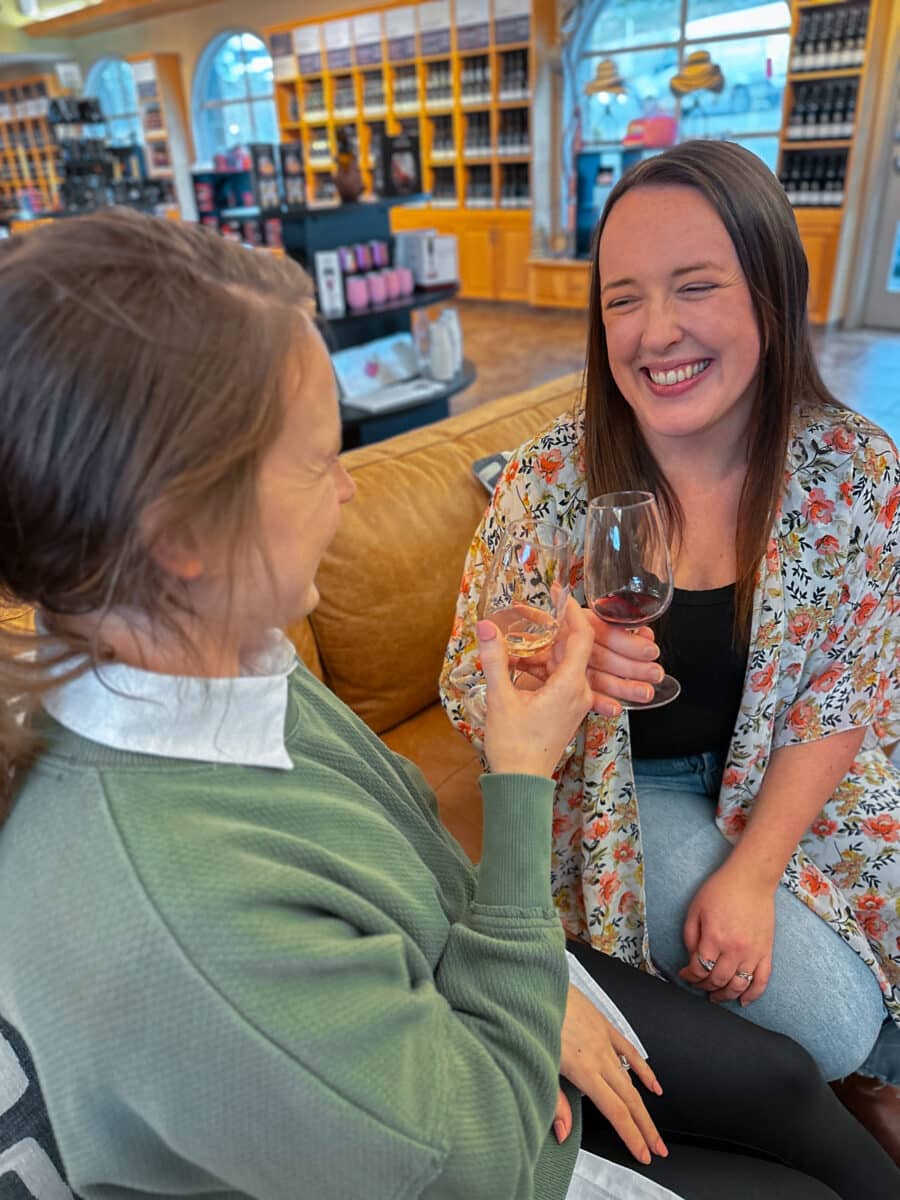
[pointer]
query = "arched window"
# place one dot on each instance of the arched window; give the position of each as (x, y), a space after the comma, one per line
(233, 95)
(728, 60)
(111, 81)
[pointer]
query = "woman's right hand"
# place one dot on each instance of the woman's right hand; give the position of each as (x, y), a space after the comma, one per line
(526, 732)
(622, 665)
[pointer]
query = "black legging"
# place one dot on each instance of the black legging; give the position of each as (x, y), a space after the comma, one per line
(745, 1112)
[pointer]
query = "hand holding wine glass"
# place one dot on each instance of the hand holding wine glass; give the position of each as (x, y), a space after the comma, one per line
(526, 732)
(524, 595)
(627, 570)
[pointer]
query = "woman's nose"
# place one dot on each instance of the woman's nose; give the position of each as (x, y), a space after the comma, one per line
(661, 325)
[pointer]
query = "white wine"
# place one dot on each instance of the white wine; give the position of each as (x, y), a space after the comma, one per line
(526, 629)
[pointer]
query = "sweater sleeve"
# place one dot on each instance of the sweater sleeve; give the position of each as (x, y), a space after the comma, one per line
(344, 1061)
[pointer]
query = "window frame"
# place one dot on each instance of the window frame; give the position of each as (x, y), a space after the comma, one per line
(579, 51)
(134, 117)
(201, 104)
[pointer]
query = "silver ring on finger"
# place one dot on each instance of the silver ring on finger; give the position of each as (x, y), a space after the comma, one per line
(748, 975)
(706, 964)
(624, 1063)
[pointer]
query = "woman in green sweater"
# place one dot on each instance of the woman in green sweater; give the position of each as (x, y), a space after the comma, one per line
(246, 958)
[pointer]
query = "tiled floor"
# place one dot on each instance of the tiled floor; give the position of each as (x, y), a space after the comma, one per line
(515, 347)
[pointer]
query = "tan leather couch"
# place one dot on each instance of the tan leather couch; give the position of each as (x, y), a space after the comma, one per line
(389, 583)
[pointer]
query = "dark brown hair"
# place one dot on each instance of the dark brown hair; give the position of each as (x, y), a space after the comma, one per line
(143, 368)
(752, 206)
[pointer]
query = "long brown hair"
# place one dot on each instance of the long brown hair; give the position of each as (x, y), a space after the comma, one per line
(143, 366)
(752, 206)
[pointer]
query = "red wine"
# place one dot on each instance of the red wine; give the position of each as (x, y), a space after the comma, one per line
(627, 607)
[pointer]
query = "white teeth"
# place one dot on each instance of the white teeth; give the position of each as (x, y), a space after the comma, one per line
(667, 378)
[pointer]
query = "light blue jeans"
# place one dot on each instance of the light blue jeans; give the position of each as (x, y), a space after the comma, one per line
(821, 993)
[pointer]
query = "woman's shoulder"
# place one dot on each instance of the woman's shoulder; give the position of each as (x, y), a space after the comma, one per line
(846, 436)
(557, 449)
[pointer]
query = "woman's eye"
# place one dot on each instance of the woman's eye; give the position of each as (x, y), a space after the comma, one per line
(697, 289)
(620, 302)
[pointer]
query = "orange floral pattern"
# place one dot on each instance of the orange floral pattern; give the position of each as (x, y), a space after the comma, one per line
(824, 657)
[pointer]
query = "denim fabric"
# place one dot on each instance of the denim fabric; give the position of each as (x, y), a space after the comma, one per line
(821, 993)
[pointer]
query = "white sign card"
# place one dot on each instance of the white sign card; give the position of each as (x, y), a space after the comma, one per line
(400, 22)
(69, 76)
(367, 38)
(144, 72)
(472, 12)
(308, 49)
(337, 43)
(284, 67)
(434, 15)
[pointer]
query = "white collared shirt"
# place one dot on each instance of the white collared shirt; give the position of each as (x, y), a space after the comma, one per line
(237, 720)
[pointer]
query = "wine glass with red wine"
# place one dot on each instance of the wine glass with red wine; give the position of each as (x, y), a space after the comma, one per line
(524, 594)
(627, 570)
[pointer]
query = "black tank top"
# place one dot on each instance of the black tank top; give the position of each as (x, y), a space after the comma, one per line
(696, 646)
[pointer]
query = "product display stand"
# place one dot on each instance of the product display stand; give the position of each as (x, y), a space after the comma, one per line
(361, 428)
(307, 231)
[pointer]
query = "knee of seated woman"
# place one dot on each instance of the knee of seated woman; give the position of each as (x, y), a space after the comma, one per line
(839, 1038)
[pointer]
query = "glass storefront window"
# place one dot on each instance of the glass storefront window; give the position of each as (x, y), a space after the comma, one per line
(650, 41)
(716, 18)
(765, 148)
(635, 23)
(111, 82)
(646, 75)
(755, 70)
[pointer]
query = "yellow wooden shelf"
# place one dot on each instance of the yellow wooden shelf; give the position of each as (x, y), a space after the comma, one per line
(822, 228)
(821, 144)
(494, 241)
(813, 76)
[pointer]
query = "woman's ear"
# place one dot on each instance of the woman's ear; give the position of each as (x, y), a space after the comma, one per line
(173, 547)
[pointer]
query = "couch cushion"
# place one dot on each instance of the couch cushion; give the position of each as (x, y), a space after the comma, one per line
(390, 579)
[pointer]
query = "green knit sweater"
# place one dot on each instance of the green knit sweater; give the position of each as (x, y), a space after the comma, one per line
(238, 981)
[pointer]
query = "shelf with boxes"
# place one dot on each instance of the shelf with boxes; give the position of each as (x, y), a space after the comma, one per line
(455, 73)
(244, 195)
(94, 174)
(834, 43)
(29, 155)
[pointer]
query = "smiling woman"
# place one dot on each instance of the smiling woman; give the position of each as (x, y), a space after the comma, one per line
(744, 851)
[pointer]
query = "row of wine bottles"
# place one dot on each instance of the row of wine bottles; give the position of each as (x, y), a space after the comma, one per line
(813, 180)
(830, 37)
(823, 110)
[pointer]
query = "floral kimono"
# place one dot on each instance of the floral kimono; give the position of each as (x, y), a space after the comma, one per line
(824, 657)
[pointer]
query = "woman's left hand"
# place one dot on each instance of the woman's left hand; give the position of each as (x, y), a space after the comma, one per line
(592, 1058)
(731, 923)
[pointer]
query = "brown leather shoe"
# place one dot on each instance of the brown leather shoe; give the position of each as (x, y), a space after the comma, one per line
(875, 1105)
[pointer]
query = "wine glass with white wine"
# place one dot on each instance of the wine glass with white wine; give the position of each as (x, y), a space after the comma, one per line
(627, 570)
(524, 595)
